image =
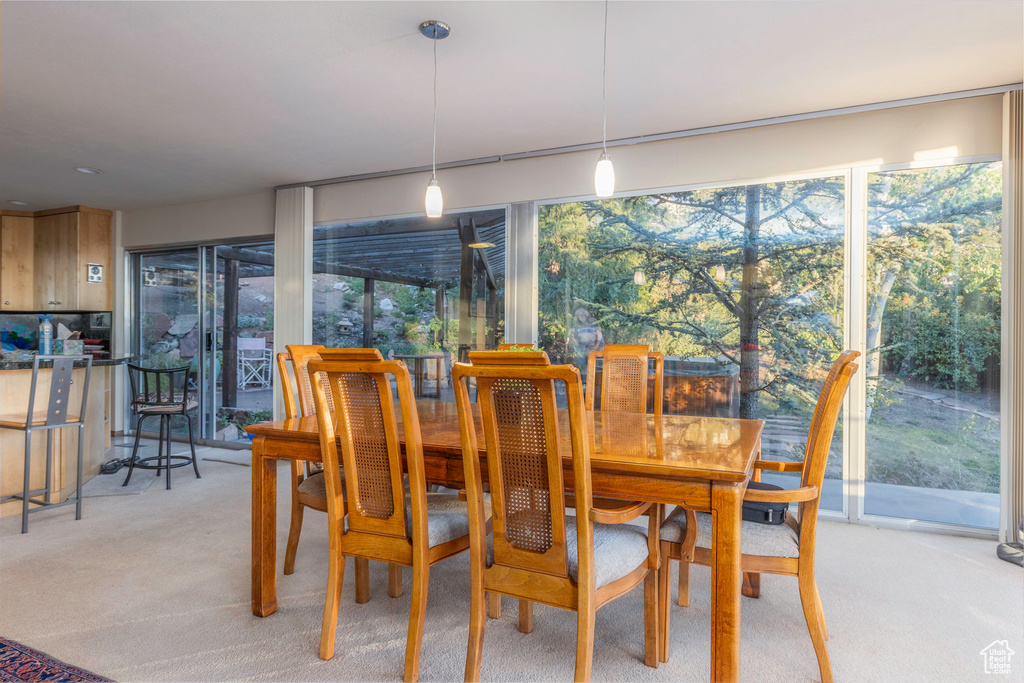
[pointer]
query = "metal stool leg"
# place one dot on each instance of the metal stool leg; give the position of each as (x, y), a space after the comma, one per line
(135, 449)
(192, 445)
(160, 447)
(49, 463)
(78, 483)
(168, 455)
(28, 461)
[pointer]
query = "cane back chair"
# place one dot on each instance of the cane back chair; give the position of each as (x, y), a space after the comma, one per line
(308, 487)
(624, 378)
(537, 552)
(387, 520)
(787, 548)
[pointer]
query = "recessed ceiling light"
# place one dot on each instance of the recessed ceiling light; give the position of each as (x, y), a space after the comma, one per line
(480, 245)
(17, 202)
(87, 170)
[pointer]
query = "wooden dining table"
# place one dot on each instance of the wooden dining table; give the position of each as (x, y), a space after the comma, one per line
(702, 463)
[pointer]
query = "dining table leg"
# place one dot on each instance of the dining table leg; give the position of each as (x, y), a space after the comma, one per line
(264, 531)
(726, 577)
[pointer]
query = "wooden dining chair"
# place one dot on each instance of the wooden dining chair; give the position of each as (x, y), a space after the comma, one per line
(787, 548)
(625, 376)
(308, 487)
(387, 520)
(538, 553)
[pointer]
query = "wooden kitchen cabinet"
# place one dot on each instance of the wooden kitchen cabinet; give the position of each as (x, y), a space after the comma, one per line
(17, 262)
(45, 259)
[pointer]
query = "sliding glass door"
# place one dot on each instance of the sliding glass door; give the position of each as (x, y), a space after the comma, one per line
(211, 309)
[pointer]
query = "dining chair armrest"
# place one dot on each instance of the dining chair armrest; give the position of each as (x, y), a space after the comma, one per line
(623, 512)
(779, 465)
(800, 495)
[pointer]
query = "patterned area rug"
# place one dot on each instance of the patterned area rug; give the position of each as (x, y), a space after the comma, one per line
(21, 664)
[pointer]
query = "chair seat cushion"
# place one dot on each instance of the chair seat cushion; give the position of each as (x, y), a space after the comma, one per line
(447, 517)
(773, 540)
(163, 410)
(618, 550)
(315, 486)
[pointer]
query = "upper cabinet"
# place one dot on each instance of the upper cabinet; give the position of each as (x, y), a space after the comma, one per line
(56, 260)
(17, 263)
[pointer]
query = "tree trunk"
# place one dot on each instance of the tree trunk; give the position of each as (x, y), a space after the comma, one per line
(874, 333)
(750, 303)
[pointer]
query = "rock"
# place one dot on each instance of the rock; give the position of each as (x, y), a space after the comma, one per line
(188, 345)
(229, 433)
(262, 298)
(183, 324)
(341, 287)
(386, 305)
(157, 327)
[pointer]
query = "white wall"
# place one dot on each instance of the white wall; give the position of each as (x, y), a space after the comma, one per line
(231, 218)
(961, 128)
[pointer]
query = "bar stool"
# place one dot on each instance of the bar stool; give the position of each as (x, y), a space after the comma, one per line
(163, 394)
(56, 417)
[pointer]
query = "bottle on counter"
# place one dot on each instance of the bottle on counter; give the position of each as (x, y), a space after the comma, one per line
(45, 335)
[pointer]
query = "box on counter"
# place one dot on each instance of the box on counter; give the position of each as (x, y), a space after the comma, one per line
(68, 347)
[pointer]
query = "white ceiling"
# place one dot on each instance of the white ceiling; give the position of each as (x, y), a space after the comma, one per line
(182, 101)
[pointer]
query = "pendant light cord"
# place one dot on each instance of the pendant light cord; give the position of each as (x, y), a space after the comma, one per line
(433, 153)
(604, 84)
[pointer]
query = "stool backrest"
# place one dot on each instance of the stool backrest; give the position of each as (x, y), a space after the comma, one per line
(60, 388)
(158, 387)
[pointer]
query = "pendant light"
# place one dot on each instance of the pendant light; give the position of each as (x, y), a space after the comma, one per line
(434, 202)
(604, 174)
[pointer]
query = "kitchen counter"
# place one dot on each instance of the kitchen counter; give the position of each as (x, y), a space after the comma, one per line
(27, 364)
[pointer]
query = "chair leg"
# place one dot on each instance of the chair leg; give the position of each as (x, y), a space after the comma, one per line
(81, 462)
(329, 626)
(664, 575)
(684, 584)
(167, 419)
(295, 529)
(49, 465)
(584, 639)
(192, 445)
(417, 613)
(395, 580)
(651, 630)
(28, 472)
(493, 605)
(362, 580)
(809, 601)
(821, 612)
(135, 449)
(525, 616)
(160, 447)
(751, 584)
(477, 623)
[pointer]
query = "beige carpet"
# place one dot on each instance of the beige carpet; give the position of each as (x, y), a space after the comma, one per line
(155, 587)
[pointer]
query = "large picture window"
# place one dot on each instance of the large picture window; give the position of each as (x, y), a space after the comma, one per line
(740, 287)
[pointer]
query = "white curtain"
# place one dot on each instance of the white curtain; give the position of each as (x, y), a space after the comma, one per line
(1013, 315)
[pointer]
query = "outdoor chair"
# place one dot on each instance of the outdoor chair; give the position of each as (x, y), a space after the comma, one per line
(388, 520)
(254, 367)
(538, 552)
(787, 548)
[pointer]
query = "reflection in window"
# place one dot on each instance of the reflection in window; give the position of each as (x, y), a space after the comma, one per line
(426, 291)
(741, 288)
(933, 342)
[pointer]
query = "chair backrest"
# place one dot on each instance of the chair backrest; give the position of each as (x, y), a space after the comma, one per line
(517, 347)
(518, 411)
(251, 343)
(60, 388)
(624, 377)
(823, 422)
(158, 387)
(299, 355)
(367, 430)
